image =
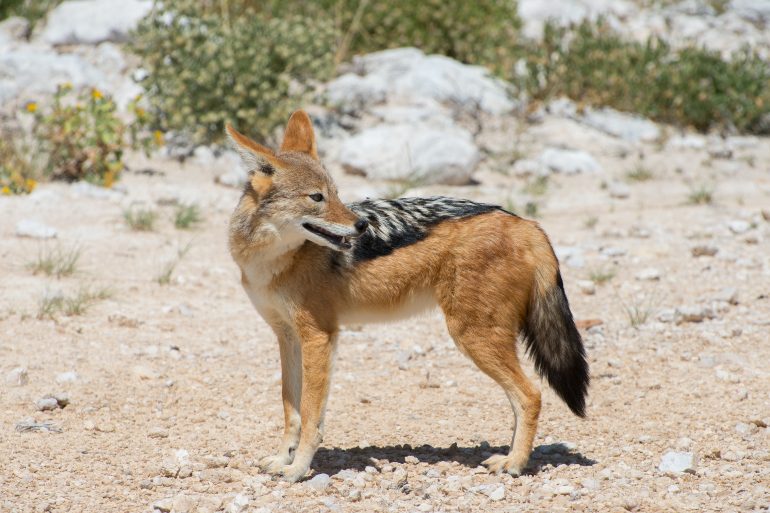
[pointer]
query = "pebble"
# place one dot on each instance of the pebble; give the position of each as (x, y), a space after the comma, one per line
(184, 504)
(497, 494)
(704, 250)
(164, 505)
(693, 314)
(739, 226)
(51, 402)
(587, 287)
(144, 372)
(728, 295)
(619, 190)
(157, 432)
(611, 251)
(411, 460)
(34, 230)
(17, 377)
(319, 482)
(648, 274)
(239, 503)
(67, 377)
(402, 358)
(677, 462)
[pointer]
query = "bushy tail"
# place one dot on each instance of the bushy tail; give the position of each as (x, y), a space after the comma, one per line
(554, 343)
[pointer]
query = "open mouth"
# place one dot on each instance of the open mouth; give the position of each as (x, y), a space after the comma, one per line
(338, 240)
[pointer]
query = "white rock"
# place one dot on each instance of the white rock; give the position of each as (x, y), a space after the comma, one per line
(754, 10)
(30, 71)
(88, 190)
(12, 29)
(612, 252)
(739, 226)
(587, 287)
(352, 93)
(678, 462)
(570, 256)
(239, 504)
(34, 230)
(629, 127)
(93, 21)
(497, 494)
(17, 377)
(47, 404)
(569, 162)
(410, 74)
(728, 295)
(693, 314)
(691, 141)
(67, 377)
(319, 482)
(529, 167)
(619, 190)
(416, 152)
(648, 274)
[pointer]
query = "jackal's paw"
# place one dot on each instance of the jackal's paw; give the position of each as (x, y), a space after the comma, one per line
(293, 473)
(274, 464)
(498, 463)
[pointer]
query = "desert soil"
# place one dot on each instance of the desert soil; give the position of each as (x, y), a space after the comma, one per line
(176, 388)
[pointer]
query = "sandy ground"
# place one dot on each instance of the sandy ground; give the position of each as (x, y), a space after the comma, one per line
(176, 391)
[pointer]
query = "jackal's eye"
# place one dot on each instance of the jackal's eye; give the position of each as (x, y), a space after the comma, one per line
(317, 197)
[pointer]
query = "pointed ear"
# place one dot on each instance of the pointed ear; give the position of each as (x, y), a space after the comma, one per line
(299, 135)
(254, 156)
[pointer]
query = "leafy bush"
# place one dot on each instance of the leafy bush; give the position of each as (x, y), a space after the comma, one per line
(695, 87)
(18, 173)
(32, 10)
(477, 32)
(204, 69)
(82, 137)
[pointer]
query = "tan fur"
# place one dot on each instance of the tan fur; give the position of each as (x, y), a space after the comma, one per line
(480, 271)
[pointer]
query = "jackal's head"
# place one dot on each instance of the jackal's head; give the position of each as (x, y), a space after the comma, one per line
(289, 196)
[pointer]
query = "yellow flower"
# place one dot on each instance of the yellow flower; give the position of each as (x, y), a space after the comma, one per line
(31, 183)
(158, 136)
(31, 107)
(5, 191)
(96, 94)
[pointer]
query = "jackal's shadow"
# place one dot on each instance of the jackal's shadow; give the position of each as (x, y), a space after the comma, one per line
(331, 461)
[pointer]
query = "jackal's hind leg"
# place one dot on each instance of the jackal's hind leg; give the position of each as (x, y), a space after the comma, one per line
(493, 350)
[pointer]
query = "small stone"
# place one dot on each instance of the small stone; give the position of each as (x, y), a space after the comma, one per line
(144, 372)
(744, 429)
(741, 394)
(34, 230)
(239, 504)
(184, 504)
(319, 482)
(683, 443)
(157, 432)
(355, 495)
(619, 190)
(704, 250)
(17, 377)
(164, 505)
(216, 461)
(587, 287)
(47, 404)
(738, 226)
(497, 494)
(678, 462)
(67, 377)
(648, 274)
(411, 460)
(89, 425)
(667, 315)
(402, 358)
(728, 295)
(613, 252)
(590, 484)
(693, 314)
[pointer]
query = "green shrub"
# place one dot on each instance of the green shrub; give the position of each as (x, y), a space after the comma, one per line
(477, 32)
(18, 173)
(691, 87)
(81, 136)
(205, 68)
(32, 10)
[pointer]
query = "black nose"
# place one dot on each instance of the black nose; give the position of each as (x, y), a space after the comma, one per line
(361, 225)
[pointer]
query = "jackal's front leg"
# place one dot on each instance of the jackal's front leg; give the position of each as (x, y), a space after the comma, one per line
(291, 390)
(317, 351)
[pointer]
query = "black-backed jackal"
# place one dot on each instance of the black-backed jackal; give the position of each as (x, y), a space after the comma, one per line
(310, 263)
